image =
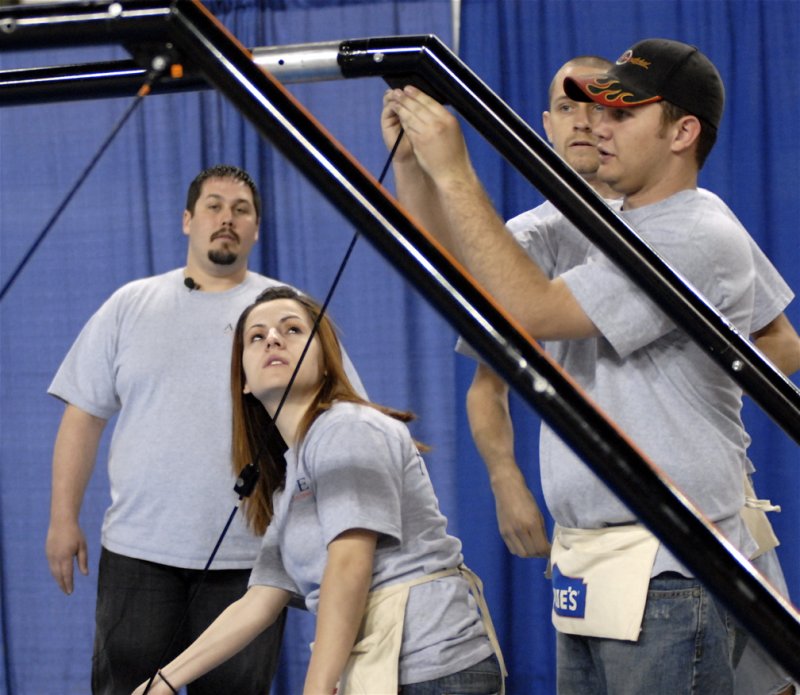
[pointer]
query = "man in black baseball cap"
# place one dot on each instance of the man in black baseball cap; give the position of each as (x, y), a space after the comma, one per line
(630, 617)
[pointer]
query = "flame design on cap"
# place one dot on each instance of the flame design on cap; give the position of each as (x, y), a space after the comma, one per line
(610, 92)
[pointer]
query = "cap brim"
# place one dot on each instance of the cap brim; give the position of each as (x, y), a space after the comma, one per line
(605, 90)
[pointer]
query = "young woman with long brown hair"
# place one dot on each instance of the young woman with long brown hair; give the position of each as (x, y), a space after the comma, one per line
(351, 524)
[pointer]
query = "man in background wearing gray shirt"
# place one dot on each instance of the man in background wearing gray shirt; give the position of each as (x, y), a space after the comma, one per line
(157, 354)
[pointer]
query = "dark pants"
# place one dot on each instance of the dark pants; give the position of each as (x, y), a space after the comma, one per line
(139, 607)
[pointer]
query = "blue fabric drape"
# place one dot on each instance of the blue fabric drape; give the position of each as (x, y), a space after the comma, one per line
(124, 224)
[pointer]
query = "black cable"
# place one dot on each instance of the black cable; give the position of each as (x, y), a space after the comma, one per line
(249, 476)
(159, 66)
(332, 289)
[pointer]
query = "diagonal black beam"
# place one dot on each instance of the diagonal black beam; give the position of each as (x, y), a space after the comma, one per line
(640, 485)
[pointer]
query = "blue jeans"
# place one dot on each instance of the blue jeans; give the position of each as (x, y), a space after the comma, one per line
(689, 644)
(139, 607)
(482, 678)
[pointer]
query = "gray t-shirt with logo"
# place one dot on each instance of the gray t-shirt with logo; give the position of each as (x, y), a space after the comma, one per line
(359, 468)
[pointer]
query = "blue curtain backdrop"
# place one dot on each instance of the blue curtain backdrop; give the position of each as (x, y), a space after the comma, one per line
(125, 223)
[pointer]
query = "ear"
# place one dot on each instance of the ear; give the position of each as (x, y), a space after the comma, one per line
(546, 126)
(686, 132)
(246, 388)
(187, 218)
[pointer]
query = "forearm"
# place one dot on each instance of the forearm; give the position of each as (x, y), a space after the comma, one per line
(490, 424)
(343, 596)
(234, 629)
(779, 341)
(417, 193)
(74, 455)
(785, 358)
(518, 516)
(479, 239)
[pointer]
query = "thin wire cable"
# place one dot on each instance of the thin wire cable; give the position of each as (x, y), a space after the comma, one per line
(274, 428)
(161, 63)
(332, 289)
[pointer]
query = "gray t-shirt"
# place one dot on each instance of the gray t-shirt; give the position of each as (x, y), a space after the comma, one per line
(673, 401)
(650, 378)
(359, 468)
(159, 356)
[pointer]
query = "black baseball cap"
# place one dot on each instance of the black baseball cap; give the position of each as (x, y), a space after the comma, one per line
(655, 70)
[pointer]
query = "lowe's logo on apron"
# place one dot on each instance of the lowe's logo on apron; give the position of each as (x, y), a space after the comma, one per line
(569, 595)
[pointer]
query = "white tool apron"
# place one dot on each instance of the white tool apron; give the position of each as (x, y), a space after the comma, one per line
(373, 666)
(600, 580)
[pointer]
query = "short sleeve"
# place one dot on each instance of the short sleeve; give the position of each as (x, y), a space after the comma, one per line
(86, 377)
(356, 467)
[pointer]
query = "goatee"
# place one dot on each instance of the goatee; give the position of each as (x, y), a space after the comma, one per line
(222, 257)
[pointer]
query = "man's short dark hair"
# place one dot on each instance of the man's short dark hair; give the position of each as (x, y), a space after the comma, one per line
(708, 133)
(222, 171)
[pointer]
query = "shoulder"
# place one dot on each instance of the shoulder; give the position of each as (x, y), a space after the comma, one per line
(690, 216)
(172, 279)
(534, 215)
(719, 228)
(261, 282)
(142, 292)
(354, 424)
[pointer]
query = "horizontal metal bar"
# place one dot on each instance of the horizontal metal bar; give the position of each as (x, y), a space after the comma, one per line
(82, 24)
(306, 62)
(290, 64)
(121, 78)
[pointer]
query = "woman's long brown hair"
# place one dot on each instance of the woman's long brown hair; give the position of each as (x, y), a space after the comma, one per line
(252, 424)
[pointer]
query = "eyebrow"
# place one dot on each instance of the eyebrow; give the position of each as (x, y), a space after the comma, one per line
(283, 319)
(237, 201)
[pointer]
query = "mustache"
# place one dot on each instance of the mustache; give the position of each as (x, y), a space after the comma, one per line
(226, 232)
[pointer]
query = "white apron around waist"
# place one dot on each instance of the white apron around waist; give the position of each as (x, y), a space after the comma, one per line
(755, 518)
(600, 580)
(373, 666)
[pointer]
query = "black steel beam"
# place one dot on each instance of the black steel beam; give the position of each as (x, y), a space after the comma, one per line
(83, 24)
(279, 118)
(120, 78)
(58, 83)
